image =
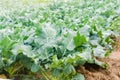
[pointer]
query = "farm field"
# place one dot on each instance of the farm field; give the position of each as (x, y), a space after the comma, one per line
(60, 40)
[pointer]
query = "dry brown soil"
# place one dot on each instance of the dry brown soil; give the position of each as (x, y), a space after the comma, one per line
(111, 73)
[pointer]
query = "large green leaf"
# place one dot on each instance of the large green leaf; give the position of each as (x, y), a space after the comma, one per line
(99, 52)
(35, 68)
(6, 43)
(21, 48)
(78, 77)
(79, 40)
(68, 69)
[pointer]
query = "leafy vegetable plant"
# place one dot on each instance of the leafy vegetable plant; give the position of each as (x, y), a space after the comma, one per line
(52, 40)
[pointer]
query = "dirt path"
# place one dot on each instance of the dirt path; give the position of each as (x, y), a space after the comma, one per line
(111, 73)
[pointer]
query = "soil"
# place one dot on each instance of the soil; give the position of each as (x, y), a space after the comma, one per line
(111, 73)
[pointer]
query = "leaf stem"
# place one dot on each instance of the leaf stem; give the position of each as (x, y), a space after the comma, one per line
(47, 77)
(15, 70)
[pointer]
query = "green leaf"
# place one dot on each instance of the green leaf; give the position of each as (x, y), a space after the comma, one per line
(27, 62)
(6, 43)
(56, 62)
(68, 69)
(69, 42)
(101, 64)
(71, 45)
(108, 40)
(48, 30)
(1, 63)
(100, 34)
(78, 77)
(35, 68)
(21, 48)
(79, 39)
(86, 55)
(56, 72)
(99, 52)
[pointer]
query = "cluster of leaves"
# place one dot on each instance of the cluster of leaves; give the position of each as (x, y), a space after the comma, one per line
(52, 40)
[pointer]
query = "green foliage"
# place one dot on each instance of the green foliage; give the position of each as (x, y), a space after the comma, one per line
(79, 40)
(52, 40)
